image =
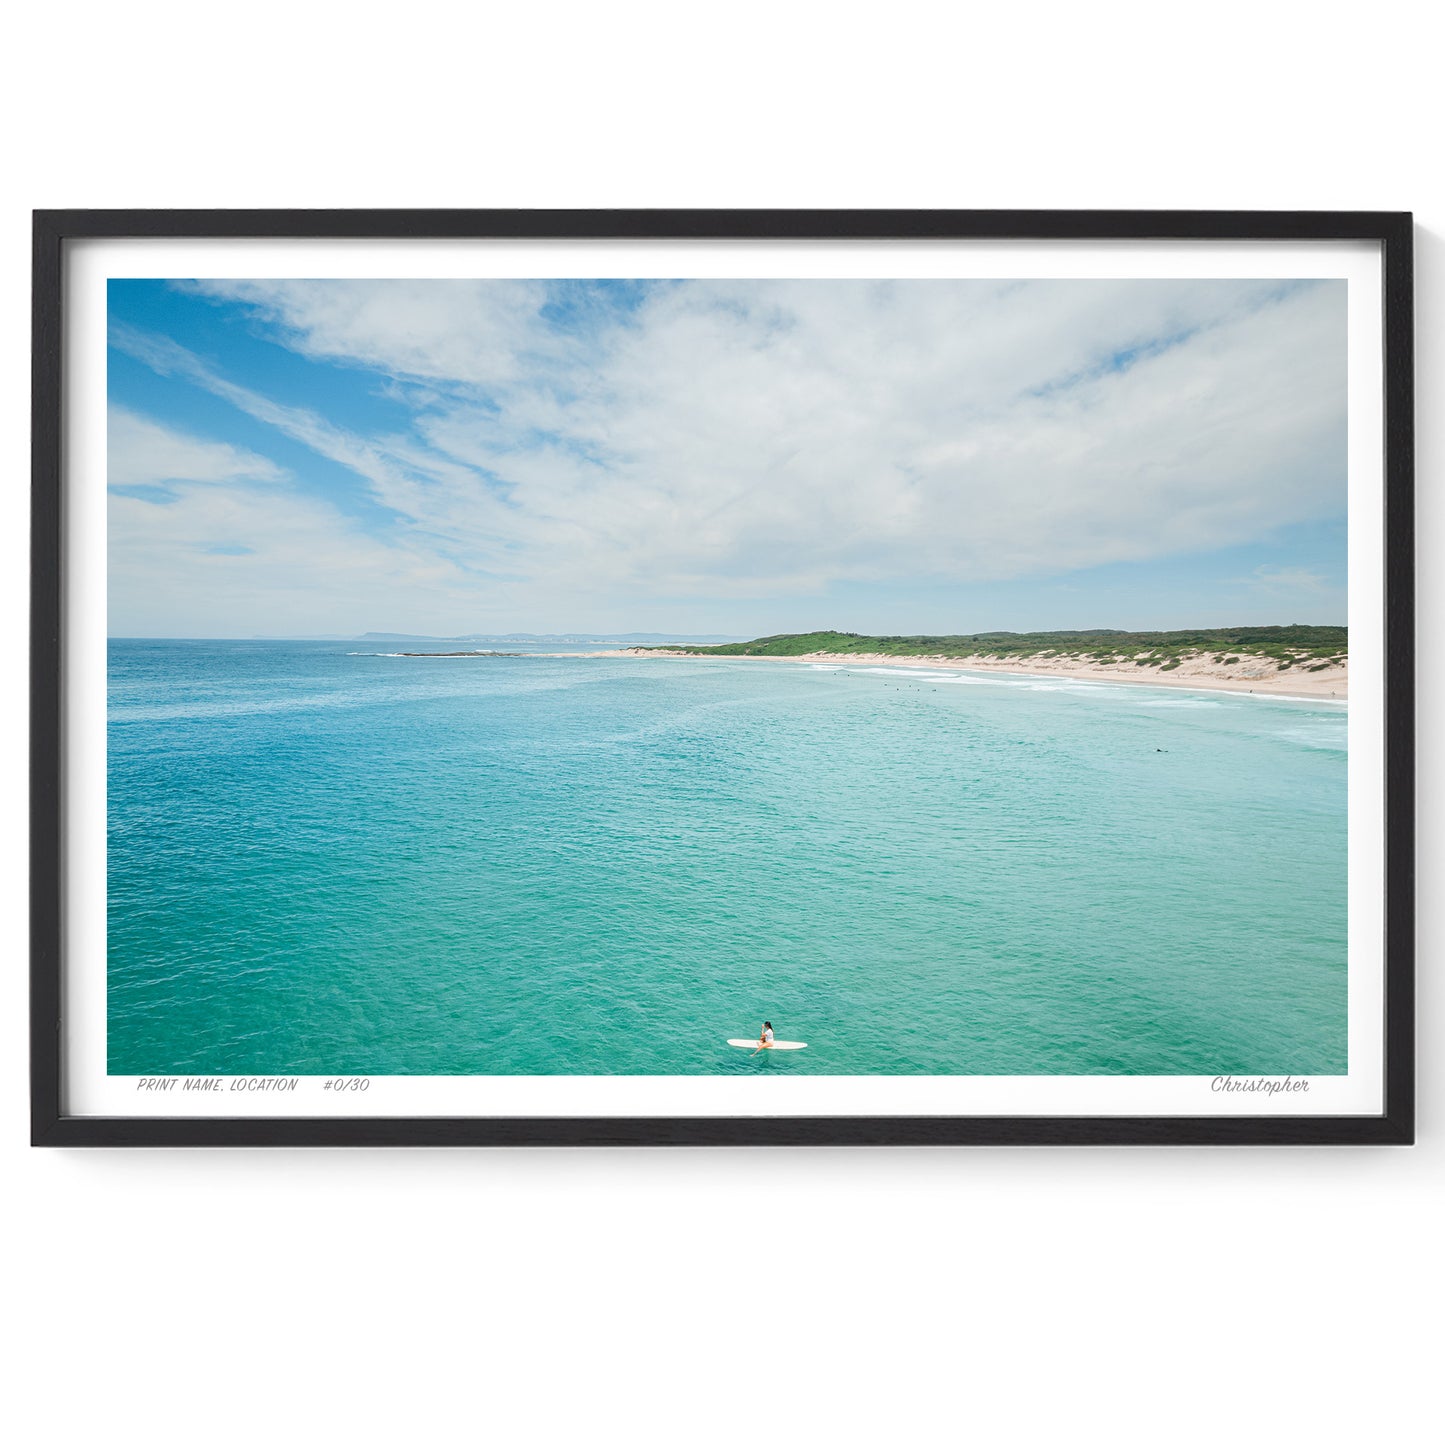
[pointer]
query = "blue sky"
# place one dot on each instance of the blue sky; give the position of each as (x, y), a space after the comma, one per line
(736, 457)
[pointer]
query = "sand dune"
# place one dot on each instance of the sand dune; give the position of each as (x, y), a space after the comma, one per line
(1248, 674)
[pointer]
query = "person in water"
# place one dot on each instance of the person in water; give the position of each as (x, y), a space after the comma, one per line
(765, 1039)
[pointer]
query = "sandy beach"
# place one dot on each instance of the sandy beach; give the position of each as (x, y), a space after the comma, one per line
(1249, 674)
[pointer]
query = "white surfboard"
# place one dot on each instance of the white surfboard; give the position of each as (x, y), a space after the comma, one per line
(753, 1044)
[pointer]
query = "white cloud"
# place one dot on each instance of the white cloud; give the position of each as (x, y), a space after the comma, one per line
(229, 546)
(453, 331)
(1294, 580)
(221, 561)
(141, 452)
(737, 439)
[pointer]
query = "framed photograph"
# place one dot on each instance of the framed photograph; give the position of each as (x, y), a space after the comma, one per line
(562, 678)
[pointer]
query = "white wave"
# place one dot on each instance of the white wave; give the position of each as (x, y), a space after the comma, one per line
(1328, 738)
(914, 674)
(1033, 682)
(1178, 702)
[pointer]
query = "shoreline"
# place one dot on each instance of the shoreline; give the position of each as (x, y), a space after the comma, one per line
(1195, 674)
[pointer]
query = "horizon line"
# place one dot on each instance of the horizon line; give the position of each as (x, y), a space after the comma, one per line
(619, 635)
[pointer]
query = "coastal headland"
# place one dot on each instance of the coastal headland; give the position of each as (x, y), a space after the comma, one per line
(1295, 661)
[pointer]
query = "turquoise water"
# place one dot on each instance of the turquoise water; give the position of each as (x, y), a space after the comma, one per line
(323, 861)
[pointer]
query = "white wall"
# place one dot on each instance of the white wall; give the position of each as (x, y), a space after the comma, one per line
(1156, 1296)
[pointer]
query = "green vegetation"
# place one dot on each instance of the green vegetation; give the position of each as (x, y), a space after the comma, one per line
(1284, 646)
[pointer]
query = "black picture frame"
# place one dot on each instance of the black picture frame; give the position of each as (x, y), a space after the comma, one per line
(54, 230)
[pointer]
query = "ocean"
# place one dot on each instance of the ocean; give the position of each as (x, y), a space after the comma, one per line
(325, 859)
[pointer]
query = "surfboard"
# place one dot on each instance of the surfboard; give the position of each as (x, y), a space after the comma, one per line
(753, 1044)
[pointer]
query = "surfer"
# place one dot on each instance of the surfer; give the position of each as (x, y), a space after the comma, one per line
(765, 1040)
